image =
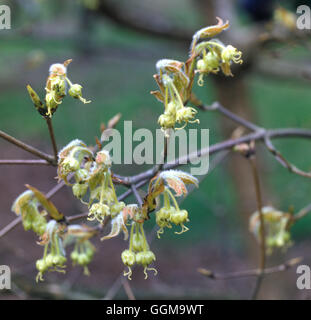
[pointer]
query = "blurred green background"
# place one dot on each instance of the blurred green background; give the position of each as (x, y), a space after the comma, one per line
(115, 66)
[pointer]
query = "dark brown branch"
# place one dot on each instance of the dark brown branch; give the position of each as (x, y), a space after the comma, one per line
(27, 147)
(249, 273)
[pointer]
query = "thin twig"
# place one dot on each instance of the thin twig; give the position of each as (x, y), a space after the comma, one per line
(27, 147)
(137, 195)
(281, 159)
(216, 106)
(250, 273)
(10, 226)
(302, 213)
(77, 216)
(224, 145)
(25, 162)
(262, 262)
(52, 136)
(165, 152)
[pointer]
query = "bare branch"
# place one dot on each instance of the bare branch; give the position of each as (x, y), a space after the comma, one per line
(250, 273)
(137, 195)
(10, 226)
(302, 213)
(281, 159)
(25, 162)
(216, 106)
(28, 148)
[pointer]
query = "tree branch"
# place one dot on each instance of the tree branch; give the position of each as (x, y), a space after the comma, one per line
(28, 148)
(250, 273)
(281, 159)
(25, 162)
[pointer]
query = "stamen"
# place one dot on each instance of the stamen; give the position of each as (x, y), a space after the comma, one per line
(183, 229)
(128, 273)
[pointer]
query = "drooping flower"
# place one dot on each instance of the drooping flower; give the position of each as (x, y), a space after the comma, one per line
(276, 225)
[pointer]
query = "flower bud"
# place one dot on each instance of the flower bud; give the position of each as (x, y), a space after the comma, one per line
(145, 258)
(74, 256)
(51, 102)
(166, 121)
(83, 259)
(201, 66)
(128, 258)
(41, 265)
(49, 260)
(100, 210)
(58, 85)
(35, 99)
(185, 114)
(70, 164)
(231, 53)
(75, 91)
(79, 189)
(27, 224)
(81, 175)
(179, 217)
(117, 207)
(171, 108)
(103, 158)
(163, 217)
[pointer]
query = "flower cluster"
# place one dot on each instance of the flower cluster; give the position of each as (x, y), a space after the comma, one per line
(138, 251)
(83, 254)
(175, 78)
(213, 56)
(177, 181)
(27, 205)
(171, 214)
(84, 250)
(56, 89)
(173, 82)
(276, 225)
(54, 256)
(92, 176)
